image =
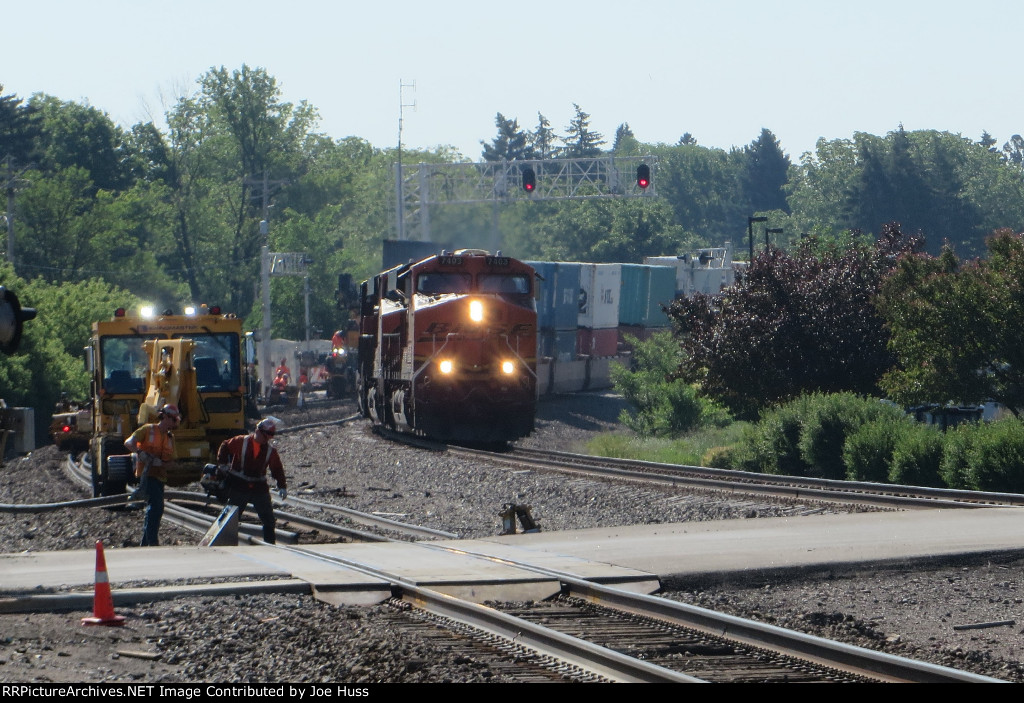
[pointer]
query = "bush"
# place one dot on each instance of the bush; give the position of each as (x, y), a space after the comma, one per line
(995, 460)
(662, 405)
(828, 421)
(720, 458)
(917, 457)
(773, 444)
(956, 448)
(868, 451)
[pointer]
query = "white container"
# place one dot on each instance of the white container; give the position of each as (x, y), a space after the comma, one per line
(599, 295)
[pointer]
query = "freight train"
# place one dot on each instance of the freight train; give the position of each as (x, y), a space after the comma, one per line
(448, 346)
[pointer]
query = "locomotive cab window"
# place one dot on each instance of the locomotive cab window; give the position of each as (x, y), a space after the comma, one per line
(515, 284)
(440, 283)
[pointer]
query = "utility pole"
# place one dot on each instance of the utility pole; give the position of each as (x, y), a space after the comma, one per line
(399, 189)
(265, 184)
(11, 182)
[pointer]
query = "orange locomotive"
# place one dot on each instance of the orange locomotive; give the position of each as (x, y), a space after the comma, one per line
(448, 347)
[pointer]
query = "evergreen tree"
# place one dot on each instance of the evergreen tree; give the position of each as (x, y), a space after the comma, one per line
(511, 144)
(19, 129)
(580, 141)
(543, 139)
(766, 172)
(622, 132)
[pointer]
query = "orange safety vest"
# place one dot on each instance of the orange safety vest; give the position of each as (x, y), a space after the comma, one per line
(156, 444)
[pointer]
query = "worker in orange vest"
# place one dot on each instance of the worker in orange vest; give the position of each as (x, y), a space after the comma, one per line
(153, 446)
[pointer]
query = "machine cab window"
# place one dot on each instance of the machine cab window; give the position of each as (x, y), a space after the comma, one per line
(125, 364)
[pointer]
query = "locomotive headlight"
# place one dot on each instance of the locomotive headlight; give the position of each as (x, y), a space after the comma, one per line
(446, 366)
(508, 368)
(476, 311)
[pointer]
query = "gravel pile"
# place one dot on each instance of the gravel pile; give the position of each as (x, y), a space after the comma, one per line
(292, 638)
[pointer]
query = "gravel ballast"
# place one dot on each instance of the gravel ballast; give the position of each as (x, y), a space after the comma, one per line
(920, 612)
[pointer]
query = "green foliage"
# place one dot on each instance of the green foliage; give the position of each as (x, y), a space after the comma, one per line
(766, 173)
(986, 457)
(773, 443)
(940, 184)
(867, 452)
(694, 448)
(917, 456)
(809, 435)
(792, 324)
(49, 360)
(663, 406)
(511, 144)
(957, 447)
(827, 422)
(948, 326)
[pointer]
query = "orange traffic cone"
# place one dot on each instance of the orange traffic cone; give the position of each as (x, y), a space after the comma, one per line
(102, 601)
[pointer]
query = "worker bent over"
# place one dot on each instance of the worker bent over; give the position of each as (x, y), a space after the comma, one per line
(153, 446)
(245, 460)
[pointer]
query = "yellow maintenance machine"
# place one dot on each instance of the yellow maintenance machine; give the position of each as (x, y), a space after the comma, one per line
(198, 361)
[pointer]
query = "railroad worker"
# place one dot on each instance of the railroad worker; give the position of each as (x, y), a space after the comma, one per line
(284, 371)
(153, 446)
(245, 459)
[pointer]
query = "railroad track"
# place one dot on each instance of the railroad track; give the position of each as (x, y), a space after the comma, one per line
(611, 648)
(633, 637)
(197, 511)
(740, 482)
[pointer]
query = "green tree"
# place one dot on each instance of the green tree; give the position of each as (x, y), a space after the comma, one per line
(663, 405)
(949, 330)
(511, 143)
(792, 324)
(766, 172)
(543, 139)
(224, 141)
(580, 141)
(81, 136)
(49, 360)
(19, 129)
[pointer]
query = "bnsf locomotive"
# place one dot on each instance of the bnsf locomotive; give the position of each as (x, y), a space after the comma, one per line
(448, 347)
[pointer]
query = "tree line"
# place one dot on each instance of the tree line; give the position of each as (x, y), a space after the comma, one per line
(106, 214)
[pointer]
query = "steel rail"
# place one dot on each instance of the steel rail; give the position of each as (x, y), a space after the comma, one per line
(588, 656)
(371, 519)
(849, 658)
(678, 476)
(190, 519)
(943, 494)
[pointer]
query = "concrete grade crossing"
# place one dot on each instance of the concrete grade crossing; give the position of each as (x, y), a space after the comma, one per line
(634, 557)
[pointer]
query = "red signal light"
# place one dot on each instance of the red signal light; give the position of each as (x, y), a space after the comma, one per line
(643, 176)
(529, 180)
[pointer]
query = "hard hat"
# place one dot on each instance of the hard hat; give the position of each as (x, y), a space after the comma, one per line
(170, 409)
(269, 424)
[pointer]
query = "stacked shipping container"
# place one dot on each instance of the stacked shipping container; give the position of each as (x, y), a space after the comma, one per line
(585, 311)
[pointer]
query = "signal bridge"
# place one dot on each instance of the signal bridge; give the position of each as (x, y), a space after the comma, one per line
(420, 186)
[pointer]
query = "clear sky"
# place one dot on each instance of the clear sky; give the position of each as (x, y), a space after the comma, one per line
(720, 69)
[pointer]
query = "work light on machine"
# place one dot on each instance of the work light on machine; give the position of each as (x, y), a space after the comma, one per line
(147, 311)
(476, 311)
